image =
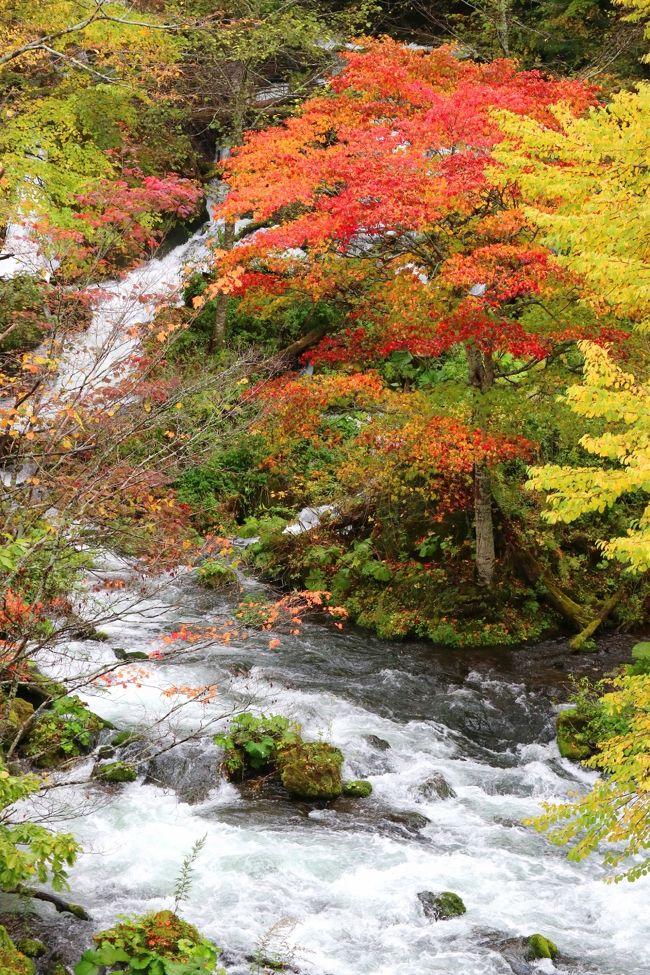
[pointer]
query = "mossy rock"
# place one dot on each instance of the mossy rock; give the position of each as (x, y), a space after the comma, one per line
(443, 906)
(311, 770)
(541, 947)
(20, 712)
(124, 738)
(357, 789)
(115, 772)
(217, 575)
(127, 655)
(569, 727)
(13, 961)
(67, 732)
(32, 947)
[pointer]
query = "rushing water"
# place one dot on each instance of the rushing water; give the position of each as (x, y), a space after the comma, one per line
(344, 877)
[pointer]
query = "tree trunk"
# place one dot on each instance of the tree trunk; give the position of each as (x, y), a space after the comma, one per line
(220, 327)
(485, 557)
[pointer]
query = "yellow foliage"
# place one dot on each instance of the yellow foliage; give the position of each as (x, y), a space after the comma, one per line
(586, 185)
(623, 403)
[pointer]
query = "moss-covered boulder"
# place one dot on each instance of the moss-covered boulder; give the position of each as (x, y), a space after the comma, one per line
(357, 789)
(67, 730)
(540, 947)
(311, 770)
(124, 738)
(15, 718)
(443, 906)
(571, 738)
(13, 961)
(115, 772)
(32, 947)
(217, 575)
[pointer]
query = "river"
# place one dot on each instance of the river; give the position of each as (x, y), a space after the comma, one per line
(342, 879)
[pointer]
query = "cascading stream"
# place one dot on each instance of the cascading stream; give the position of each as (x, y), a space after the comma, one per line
(343, 879)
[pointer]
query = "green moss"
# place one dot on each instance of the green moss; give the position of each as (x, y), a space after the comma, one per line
(443, 906)
(569, 728)
(20, 712)
(541, 947)
(357, 789)
(31, 947)
(124, 738)
(13, 961)
(115, 772)
(217, 575)
(311, 770)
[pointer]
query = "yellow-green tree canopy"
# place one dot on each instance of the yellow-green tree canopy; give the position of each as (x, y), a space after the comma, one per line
(622, 403)
(586, 185)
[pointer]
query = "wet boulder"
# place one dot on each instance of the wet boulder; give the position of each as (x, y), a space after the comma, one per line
(129, 655)
(435, 786)
(538, 946)
(408, 822)
(32, 947)
(19, 713)
(571, 729)
(311, 770)
(357, 789)
(520, 952)
(379, 743)
(115, 772)
(442, 906)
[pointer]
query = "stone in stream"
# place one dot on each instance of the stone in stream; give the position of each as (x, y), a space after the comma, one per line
(311, 770)
(520, 952)
(115, 772)
(127, 655)
(441, 907)
(435, 785)
(357, 789)
(379, 743)
(410, 822)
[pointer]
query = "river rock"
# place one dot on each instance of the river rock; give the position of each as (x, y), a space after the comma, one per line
(436, 785)
(520, 952)
(441, 907)
(32, 947)
(127, 655)
(379, 743)
(569, 726)
(115, 772)
(311, 770)
(411, 822)
(357, 789)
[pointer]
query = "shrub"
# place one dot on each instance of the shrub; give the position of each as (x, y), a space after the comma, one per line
(156, 944)
(253, 743)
